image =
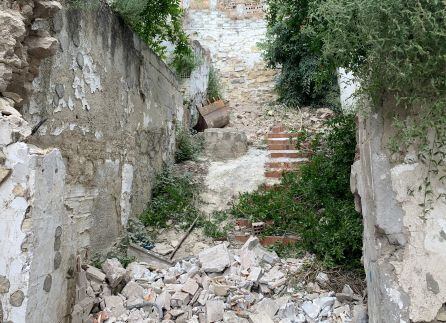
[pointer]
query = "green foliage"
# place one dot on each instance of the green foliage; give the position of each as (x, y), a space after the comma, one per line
(398, 50)
(214, 86)
(189, 145)
(316, 204)
(184, 63)
(214, 228)
(173, 198)
(157, 22)
(294, 43)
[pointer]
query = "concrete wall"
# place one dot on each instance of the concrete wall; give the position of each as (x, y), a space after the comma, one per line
(82, 134)
(231, 32)
(404, 249)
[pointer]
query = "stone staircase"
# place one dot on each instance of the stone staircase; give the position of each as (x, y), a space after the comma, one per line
(283, 154)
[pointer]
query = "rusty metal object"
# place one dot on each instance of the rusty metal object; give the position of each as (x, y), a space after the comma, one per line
(214, 115)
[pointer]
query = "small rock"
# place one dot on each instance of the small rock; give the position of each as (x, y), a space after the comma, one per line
(132, 290)
(162, 248)
(115, 304)
(311, 309)
(322, 278)
(179, 299)
(95, 273)
(4, 173)
(268, 306)
(60, 90)
(214, 310)
(347, 290)
(190, 286)
(114, 271)
(255, 274)
(231, 317)
(16, 298)
(360, 314)
(163, 300)
(261, 317)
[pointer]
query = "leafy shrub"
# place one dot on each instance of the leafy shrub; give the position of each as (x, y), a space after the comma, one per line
(316, 203)
(157, 22)
(173, 198)
(189, 145)
(214, 86)
(297, 49)
(397, 49)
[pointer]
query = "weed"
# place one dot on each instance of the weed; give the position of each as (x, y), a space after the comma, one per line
(214, 86)
(173, 198)
(189, 145)
(214, 228)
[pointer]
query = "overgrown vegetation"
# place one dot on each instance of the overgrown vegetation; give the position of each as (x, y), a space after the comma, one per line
(397, 49)
(316, 203)
(214, 86)
(173, 199)
(294, 43)
(189, 145)
(157, 22)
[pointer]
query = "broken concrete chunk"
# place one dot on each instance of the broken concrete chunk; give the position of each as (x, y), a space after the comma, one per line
(190, 286)
(322, 278)
(114, 271)
(255, 274)
(179, 299)
(163, 300)
(231, 317)
(133, 290)
(214, 310)
(136, 271)
(268, 306)
(95, 273)
(162, 248)
(215, 259)
(311, 309)
(115, 304)
(261, 317)
(347, 290)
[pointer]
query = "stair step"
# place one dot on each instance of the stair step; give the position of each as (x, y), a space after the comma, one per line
(273, 173)
(282, 165)
(287, 153)
(281, 147)
(283, 135)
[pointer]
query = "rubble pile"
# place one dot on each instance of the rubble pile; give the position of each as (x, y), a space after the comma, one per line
(250, 284)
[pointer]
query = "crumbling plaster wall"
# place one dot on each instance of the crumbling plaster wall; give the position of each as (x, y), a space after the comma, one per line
(82, 134)
(111, 107)
(232, 36)
(404, 249)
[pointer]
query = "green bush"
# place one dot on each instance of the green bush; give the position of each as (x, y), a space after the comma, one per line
(214, 86)
(157, 22)
(293, 45)
(316, 203)
(189, 145)
(173, 198)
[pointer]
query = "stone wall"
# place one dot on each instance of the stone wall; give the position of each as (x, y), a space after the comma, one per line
(404, 249)
(82, 134)
(231, 31)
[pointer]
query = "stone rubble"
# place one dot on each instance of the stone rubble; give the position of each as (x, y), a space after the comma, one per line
(250, 284)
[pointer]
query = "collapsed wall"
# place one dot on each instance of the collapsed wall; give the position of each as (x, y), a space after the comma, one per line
(232, 31)
(82, 134)
(404, 249)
